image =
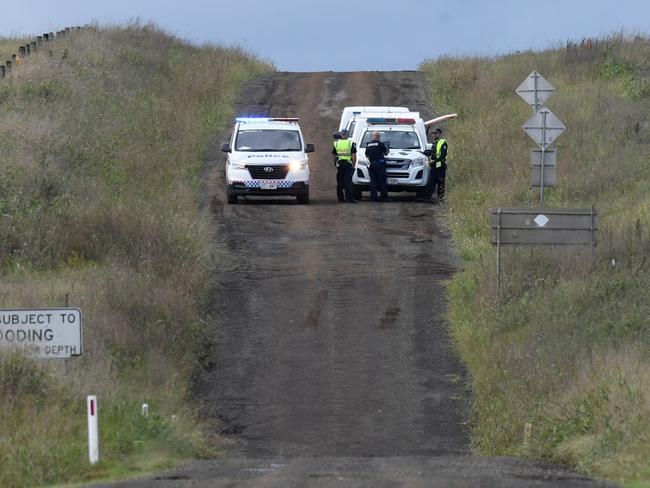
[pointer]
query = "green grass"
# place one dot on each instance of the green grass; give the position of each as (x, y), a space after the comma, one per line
(102, 142)
(565, 343)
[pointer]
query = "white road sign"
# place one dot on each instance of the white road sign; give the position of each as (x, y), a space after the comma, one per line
(541, 220)
(550, 164)
(43, 333)
(544, 127)
(535, 90)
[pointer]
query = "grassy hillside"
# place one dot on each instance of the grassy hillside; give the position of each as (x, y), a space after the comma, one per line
(565, 343)
(102, 140)
(9, 46)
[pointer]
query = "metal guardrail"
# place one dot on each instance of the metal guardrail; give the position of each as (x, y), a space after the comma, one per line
(543, 226)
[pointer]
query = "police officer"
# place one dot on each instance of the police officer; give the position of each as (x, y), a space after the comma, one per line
(439, 162)
(376, 152)
(345, 157)
(437, 168)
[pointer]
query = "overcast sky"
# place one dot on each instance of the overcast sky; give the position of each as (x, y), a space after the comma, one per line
(345, 35)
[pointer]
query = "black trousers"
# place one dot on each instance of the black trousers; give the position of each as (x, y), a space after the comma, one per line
(436, 181)
(378, 181)
(441, 174)
(344, 173)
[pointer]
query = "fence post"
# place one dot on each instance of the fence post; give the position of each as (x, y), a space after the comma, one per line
(39, 39)
(8, 67)
(46, 37)
(33, 48)
(22, 51)
(2, 72)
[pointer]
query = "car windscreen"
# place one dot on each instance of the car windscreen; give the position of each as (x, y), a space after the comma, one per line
(268, 140)
(395, 139)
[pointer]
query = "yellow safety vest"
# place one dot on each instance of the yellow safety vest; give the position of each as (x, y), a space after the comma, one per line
(344, 149)
(439, 152)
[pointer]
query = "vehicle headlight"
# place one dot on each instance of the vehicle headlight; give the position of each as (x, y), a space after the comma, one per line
(238, 165)
(297, 165)
(417, 163)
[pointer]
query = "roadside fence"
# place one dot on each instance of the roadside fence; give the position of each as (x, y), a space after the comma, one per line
(32, 47)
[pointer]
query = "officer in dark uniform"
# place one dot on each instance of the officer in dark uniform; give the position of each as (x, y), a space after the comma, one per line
(345, 157)
(376, 152)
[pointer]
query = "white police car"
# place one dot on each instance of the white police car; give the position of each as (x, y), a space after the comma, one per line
(267, 156)
(406, 162)
(349, 114)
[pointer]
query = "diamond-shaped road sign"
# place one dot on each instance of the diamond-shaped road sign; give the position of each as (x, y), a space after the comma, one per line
(535, 90)
(544, 127)
(541, 220)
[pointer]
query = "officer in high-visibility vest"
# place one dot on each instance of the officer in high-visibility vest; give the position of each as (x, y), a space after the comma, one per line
(437, 168)
(439, 162)
(345, 157)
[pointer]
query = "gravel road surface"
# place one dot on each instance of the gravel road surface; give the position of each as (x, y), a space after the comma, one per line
(332, 364)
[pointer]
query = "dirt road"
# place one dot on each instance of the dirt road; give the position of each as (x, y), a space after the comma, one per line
(332, 365)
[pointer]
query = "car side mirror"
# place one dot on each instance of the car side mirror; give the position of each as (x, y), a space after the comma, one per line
(225, 147)
(429, 146)
(309, 148)
(427, 152)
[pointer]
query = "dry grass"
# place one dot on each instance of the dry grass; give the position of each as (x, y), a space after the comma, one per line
(527, 343)
(9, 46)
(102, 142)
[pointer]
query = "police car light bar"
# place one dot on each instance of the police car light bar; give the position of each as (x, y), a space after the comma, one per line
(252, 119)
(266, 119)
(391, 120)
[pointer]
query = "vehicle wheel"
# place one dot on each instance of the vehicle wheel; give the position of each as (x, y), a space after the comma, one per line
(232, 198)
(303, 198)
(357, 193)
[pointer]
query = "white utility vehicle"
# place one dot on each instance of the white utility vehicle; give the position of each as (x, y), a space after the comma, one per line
(350, 114)
(406, 163)
(267, 156)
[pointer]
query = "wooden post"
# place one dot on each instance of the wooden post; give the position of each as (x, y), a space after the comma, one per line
(34, 43)
(51, 36)
(22, 51)
(39, 39)
(2, 72)
(46, 37)
(8, 67)
(28, 49)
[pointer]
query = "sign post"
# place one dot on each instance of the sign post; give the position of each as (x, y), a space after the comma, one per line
(550, 162)
(543, 127)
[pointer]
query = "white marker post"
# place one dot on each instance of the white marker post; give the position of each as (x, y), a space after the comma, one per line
(93, 430)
